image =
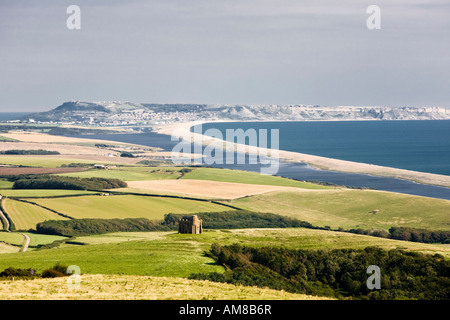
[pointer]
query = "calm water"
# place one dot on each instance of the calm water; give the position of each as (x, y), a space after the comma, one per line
(6, 116)
(412, 145)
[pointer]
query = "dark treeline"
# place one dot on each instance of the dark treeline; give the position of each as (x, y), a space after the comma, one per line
(57, 270)
(211, 220)
(340, 273)
(30, 152)
(61, 182)
(78, 227)
(407, 234)
(419, 235)
(240, 219)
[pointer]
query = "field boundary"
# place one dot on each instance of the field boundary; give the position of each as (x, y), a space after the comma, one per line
(7, 223)
(43, 207)
(216, 201)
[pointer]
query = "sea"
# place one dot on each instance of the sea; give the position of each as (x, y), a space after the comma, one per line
(7, 116)
(414, 145)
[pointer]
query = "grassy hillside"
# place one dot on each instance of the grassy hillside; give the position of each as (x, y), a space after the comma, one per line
(12, 238)
(42, 161)
(227, 175)
(157, 258)
(179, 255)
(7, 248)
(126, 287)
(354, 208)
(25, 215)
(222, 175)
(17, 238)
(25, 193)
(125, 206)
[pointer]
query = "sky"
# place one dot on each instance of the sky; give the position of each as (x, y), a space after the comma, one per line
(316, 52)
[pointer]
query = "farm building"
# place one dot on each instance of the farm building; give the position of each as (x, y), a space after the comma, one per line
(190, 224)
(100, 166)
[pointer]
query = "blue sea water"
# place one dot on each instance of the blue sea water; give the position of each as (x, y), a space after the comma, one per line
(6, 116)
(413, 145)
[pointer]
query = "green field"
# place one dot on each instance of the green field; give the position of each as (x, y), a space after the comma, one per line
(4, 184)
(13, 238)
(125, 206)
(7, 248)
(33, 193)
(178, 255)
(227, 175)
(44, 161)
(130, 173)
(212, 174)
(37, 239)
(25, 216)
(354, 208)
(17, 238)
(157, 257)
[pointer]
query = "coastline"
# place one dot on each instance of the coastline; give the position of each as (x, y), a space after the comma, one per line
(318, 162)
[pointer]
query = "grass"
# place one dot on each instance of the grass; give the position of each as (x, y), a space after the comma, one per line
(38, 239)
(125, 206)
(6, 139)
(228, 175)
(291, 238)
(44, 161)
(354, 208)
(7, 248)
(156, 258)
(125, 287)
(221, 175)
(130, 173)
(25, 216)
(13, 238)
(178, 255)
(33, 193)
(17, 238)
(4, 184)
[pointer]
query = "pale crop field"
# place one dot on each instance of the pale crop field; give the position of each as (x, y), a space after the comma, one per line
(7, 248)
(126, 287)
(204, 188)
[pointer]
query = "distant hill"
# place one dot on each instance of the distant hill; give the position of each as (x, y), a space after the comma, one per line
(128, 113)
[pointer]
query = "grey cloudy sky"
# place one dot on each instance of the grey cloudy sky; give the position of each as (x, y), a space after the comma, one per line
(225, 51)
